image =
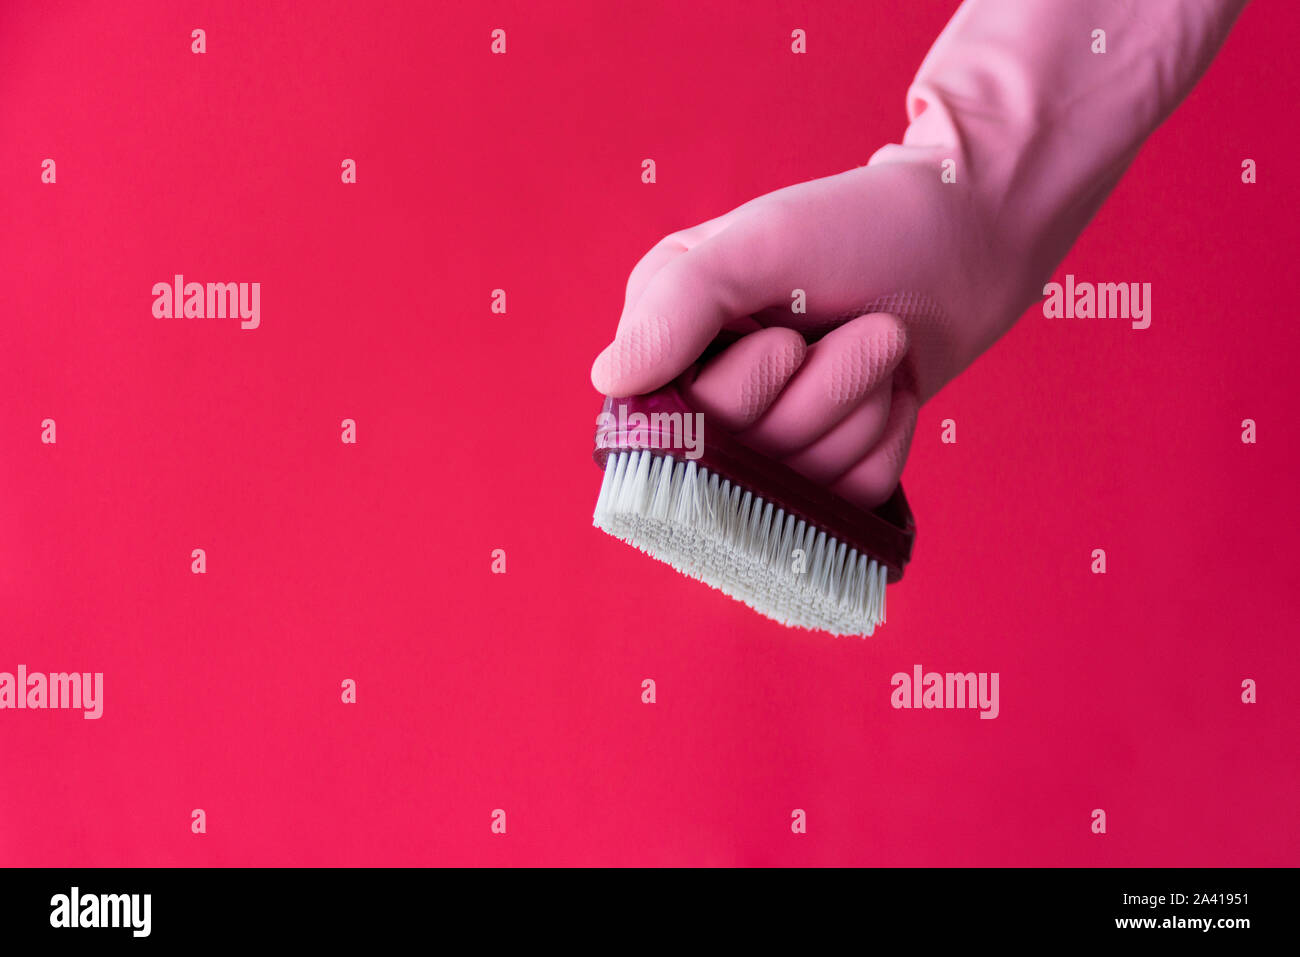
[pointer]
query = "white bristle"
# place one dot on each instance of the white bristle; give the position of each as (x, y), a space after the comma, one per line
(729, 537)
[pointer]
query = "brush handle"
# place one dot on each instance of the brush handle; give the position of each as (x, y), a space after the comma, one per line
(885, 533)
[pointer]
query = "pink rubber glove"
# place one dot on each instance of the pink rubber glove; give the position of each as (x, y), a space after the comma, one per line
(913, 276)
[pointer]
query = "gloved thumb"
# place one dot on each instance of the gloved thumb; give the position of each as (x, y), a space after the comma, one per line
(682, 308)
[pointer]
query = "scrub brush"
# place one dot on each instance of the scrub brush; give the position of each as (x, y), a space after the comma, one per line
(698, 499)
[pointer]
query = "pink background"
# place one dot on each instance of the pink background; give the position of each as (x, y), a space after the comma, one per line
(522, 691)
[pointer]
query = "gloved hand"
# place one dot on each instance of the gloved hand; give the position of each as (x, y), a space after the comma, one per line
(909, 273)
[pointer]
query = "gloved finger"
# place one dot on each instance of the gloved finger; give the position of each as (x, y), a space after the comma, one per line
(736, 387)
(684, 305)
(840, 369)
(667, 249)
(874, 479)
(844, 446)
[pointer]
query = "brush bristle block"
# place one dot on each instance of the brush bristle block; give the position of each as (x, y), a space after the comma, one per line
(730, 538)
